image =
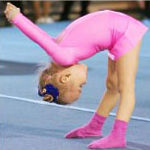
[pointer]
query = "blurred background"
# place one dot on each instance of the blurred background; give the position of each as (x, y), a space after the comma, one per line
(44, 12)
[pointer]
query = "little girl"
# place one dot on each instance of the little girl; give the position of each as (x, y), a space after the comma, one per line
(62, 80)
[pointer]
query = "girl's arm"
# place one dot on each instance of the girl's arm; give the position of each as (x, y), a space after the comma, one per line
(34, 33)
(62, 55)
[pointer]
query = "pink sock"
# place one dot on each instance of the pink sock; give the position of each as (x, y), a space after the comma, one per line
(116, 139)
(93, 128)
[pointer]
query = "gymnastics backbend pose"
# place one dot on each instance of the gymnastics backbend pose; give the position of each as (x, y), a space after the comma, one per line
(61, 81)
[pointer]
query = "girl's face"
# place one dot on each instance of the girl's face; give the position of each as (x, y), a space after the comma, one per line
(69, 81)
(74, 77)
(78, 78)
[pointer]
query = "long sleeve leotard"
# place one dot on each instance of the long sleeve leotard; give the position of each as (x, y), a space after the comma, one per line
(88, 35)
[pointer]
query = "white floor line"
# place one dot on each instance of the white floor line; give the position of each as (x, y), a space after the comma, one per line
(68, 107)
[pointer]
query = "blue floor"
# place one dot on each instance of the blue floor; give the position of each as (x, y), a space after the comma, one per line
(29, 123)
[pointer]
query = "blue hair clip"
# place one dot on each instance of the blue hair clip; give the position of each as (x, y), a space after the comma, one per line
(50, 93)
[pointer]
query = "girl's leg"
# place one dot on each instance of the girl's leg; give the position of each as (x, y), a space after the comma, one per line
(93, 128)
(111, 95)
(126, 71)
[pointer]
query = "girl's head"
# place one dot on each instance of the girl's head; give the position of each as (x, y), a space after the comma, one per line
(68, 81)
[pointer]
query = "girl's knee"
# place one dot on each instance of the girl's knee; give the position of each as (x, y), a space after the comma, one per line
(126, 88)
(111, 85)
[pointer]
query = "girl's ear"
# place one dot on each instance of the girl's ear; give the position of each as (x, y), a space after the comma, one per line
(64, 78)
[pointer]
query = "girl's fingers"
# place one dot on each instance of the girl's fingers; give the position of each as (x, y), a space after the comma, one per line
(11, 5)
(7, 11)
(8, 3)
(10, 11)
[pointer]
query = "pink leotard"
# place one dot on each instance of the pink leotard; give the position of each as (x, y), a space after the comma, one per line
(88, 35)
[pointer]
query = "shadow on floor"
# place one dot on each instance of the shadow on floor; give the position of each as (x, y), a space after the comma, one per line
(17, 68)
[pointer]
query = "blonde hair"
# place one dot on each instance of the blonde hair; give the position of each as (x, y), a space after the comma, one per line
(49, 75)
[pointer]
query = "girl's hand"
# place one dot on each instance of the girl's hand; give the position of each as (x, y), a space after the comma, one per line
(11, 11)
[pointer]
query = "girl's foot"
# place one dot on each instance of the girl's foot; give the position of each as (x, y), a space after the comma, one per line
(92, 129)
(109, 141)
(116, 139)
